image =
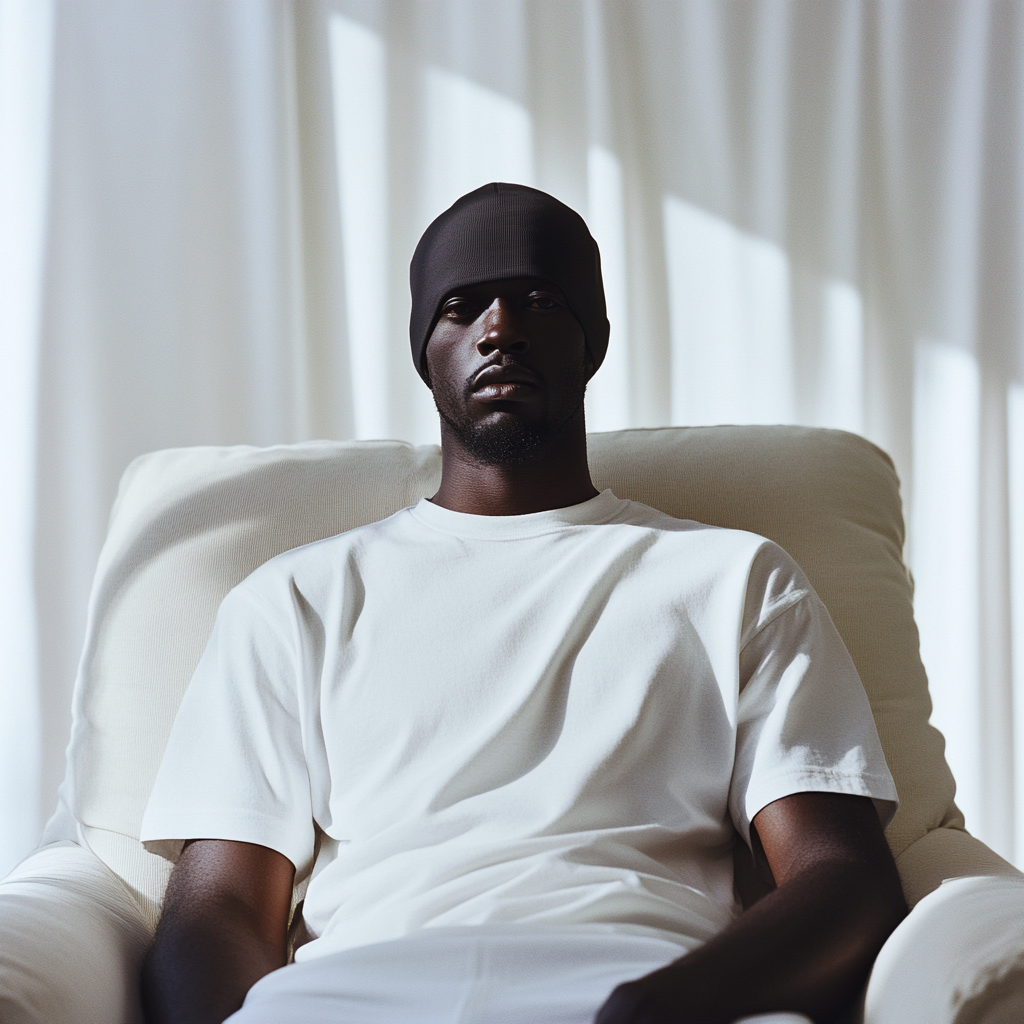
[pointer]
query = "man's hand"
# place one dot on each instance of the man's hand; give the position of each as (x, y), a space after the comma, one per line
(224, 926)
(808, 946)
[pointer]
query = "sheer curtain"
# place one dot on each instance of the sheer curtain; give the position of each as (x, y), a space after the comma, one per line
(808, 213)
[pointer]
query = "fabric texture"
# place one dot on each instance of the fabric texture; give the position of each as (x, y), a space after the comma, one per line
(481, 975)
(502, 231)
(72, 939)
(467, 719)
(958, 958)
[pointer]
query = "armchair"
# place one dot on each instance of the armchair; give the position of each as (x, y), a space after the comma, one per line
(76, 917)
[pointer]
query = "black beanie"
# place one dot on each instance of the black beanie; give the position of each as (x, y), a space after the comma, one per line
(498, 232)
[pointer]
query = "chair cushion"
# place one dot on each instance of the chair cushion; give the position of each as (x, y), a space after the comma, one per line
(71, 942)
(958, 957)
(189, 524)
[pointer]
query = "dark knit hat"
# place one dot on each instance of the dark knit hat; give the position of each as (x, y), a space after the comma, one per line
(498, 232)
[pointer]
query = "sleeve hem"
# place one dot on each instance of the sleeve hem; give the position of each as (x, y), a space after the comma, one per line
(166, 832)
(877, 787)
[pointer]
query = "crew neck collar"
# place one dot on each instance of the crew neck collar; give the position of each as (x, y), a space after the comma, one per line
(592, 512)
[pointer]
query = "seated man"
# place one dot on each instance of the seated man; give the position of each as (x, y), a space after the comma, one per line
(513, 733)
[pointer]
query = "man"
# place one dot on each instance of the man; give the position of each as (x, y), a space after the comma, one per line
(514, 731)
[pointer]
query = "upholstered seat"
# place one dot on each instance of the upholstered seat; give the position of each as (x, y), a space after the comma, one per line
(189, 524)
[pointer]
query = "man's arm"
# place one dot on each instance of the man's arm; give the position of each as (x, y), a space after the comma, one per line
(224, 926)
(807, 946)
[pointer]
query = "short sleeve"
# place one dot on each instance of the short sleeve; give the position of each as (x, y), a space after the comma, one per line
(234, 766)
(804, 723)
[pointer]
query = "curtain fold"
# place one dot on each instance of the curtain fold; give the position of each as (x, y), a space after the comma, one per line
(25, 50)
(808, 212)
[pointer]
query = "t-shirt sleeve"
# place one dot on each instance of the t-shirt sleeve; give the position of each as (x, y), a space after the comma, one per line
(804, 723)
(234, 767)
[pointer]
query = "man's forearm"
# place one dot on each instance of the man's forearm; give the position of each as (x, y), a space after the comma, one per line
(806, 947)
(199, 970)
(224, 927)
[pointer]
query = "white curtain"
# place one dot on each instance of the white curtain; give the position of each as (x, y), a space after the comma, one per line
(810, 211)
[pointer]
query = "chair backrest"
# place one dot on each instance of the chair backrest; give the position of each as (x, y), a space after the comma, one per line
(189, 524)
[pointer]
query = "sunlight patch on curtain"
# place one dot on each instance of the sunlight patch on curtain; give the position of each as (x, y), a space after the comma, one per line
(731, 333)
(1015, 438)
(736, 314)
(472, 135)
(944, 556)
(360, 133)
(840, 382)
(608, 395)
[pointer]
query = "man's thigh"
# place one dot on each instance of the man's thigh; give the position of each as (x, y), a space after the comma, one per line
(486, 974)
(480, 975)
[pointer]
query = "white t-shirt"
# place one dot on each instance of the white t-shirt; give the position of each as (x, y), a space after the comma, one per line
(560, 718)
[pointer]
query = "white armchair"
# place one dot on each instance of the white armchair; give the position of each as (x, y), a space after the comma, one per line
(76, 917)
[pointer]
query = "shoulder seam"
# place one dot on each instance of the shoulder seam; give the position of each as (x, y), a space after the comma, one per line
(256, 602)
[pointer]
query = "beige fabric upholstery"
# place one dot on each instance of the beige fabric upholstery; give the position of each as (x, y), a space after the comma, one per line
(958, 958)
(189, 524)
(71, 942)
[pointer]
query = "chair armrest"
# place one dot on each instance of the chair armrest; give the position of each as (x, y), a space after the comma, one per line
(72, 940)
(958, 958)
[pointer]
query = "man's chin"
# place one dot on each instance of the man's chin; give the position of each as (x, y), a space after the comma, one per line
(505, 440)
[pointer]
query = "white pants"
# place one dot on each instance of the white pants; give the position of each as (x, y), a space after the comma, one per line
(479, 975)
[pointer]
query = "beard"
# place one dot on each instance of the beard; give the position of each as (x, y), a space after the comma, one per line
(509, 441)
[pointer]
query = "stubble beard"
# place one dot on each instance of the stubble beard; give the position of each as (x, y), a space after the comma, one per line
(508, 441)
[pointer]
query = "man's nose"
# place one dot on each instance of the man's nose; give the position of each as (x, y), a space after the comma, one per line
(501, 331)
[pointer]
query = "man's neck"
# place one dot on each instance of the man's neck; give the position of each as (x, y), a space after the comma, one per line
(557, 478)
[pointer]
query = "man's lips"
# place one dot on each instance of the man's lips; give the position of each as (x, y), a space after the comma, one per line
(502, 382)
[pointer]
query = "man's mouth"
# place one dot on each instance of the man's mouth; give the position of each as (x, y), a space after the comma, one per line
(497, 382)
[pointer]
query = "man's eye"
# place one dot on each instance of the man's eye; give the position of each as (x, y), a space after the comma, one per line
(458, 309)
(543, 302)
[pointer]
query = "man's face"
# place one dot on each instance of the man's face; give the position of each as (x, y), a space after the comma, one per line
(508, 366)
